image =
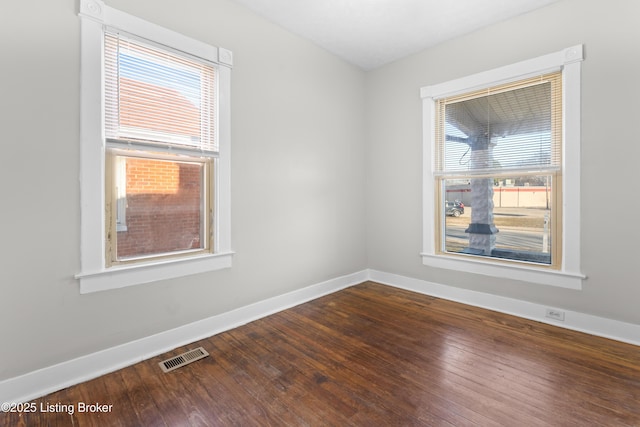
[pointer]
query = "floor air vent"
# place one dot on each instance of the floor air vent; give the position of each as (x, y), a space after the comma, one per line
(183, 359)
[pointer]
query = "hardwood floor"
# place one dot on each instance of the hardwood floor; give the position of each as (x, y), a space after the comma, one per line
(372, 355)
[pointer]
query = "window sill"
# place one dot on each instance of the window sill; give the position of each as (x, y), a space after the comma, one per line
(129, 275)
(543, 276)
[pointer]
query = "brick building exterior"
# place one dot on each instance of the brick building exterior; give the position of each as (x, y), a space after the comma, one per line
(163, 212)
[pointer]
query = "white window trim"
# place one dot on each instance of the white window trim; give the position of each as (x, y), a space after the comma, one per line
(568, 275)
(94, 275)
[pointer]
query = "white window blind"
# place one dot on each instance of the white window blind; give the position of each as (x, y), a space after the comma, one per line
(517, 127)
(158, 97)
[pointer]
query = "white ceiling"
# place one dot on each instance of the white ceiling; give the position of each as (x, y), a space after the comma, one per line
(370, 33)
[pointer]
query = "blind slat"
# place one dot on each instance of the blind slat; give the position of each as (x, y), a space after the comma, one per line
(513, 127)
(158, 96)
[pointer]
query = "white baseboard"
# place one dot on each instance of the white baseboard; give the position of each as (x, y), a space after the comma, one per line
(594, 325)
(47, 380)
(53, 378)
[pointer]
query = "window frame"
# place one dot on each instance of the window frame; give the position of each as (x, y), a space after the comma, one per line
(114, 208)
(95, 274)
(567, 274)
(444, 171)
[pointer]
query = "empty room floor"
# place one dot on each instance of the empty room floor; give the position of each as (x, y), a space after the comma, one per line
(369, 355)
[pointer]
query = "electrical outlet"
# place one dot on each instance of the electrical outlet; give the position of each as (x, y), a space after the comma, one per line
(555, 314)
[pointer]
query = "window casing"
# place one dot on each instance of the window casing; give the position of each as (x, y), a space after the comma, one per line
(494, 136)
(154, 152)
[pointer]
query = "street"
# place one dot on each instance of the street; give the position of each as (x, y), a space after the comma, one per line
(520, 229)
(507, 238)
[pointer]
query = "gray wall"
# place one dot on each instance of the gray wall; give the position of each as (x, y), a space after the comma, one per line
(297, 180)
(610, 149)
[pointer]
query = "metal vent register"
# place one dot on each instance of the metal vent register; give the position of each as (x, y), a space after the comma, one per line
(183, 359)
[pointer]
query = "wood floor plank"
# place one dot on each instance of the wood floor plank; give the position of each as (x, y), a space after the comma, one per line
(145, 408)
(320, 378)
(289, 387)
(372, 355)
(369, 359)
(361, 379)
(162, 393)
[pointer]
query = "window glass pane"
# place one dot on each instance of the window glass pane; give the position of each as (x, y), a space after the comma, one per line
(517, 228)
(164, 207)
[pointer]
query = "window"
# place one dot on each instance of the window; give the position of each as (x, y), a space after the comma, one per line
(501, 141)
(157, 101)
(154, 152)
(501, 191)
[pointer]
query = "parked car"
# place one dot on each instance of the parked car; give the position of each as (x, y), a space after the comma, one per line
(455, 208)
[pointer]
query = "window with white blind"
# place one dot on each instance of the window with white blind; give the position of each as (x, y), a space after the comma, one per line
(160, 110)
(498, 158)
(501, 192)
(155, 152)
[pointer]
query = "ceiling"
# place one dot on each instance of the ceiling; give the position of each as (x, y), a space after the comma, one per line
(525, 110)
(371, 33)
